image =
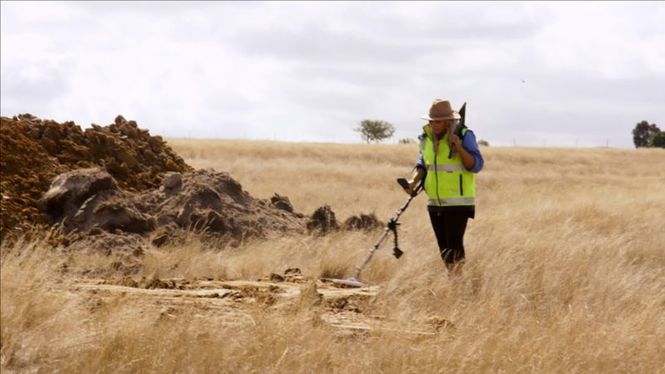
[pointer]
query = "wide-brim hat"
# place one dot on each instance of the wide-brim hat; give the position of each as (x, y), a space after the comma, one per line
(441, 110)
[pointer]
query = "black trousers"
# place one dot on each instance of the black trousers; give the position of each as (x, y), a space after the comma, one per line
(449, 228)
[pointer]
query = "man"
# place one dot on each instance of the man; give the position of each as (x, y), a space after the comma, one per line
(449, 159)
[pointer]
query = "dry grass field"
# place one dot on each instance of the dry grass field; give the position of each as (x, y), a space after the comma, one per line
(565, 273)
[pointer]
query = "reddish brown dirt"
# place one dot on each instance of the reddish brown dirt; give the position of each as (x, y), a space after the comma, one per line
(110, 188)
(34, 151)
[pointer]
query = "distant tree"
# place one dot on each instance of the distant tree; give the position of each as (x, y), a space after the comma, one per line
(406, 141)
(375, 130)
(658, 140)
(643, 132)
(483, 143)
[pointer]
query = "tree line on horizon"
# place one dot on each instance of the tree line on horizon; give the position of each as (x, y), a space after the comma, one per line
(645, 135)
(377, 131)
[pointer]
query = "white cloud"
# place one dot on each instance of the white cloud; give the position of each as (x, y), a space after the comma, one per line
(311, 71)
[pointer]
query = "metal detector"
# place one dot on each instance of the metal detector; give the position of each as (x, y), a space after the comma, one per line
(391, 226)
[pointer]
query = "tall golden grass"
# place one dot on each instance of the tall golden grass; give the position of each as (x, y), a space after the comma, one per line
(565, 273)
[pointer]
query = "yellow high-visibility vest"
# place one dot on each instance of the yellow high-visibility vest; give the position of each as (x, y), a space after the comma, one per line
(447, 183)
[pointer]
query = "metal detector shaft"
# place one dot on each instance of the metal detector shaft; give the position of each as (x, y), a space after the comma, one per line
(393, 220)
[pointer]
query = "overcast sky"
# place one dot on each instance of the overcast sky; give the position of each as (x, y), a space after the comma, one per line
(554, 74)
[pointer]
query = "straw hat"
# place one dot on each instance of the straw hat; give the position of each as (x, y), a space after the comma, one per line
(440, 110)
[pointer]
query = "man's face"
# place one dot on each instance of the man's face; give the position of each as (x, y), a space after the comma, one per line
(440, 126)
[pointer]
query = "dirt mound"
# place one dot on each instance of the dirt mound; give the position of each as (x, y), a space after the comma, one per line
(323, 221)
(34, 151)
(87, 203)
(282, 202)
(110, 188)
(363, 221)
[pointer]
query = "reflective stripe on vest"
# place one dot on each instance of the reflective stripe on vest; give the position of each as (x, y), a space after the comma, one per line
(452, 201)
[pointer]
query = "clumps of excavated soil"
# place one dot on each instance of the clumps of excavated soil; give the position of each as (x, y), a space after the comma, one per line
(34, 151)
(363, 221)
(323, 221)
(108, 189)
(92, 211)
(89, 206)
